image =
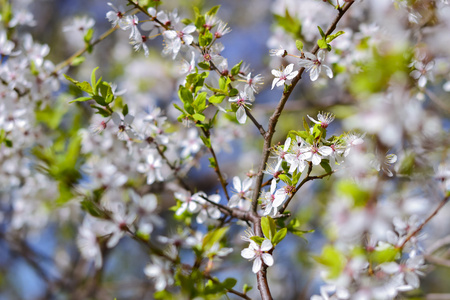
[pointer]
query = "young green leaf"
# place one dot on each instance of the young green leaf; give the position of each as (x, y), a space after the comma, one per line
(279, 236)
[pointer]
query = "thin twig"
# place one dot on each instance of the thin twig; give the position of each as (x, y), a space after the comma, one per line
(418, 229)
(216, 167)
(83, 50)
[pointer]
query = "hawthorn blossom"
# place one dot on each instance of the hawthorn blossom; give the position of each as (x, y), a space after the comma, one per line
(208, 210)
(116, 16)
(242, 189)
(152, 168)
(313, 65)
(251, 84)
(258, 254)
(385, 164)
(80, 24)
(323, 119)
(160, 271)
(125, 131)
(242, 103)
(272, 200)
(281, 76)
(6, 46)
(138, 42)
(422, 73)
(222, 29)
(314, 153)
(353, 140)
(191, 143)
(189, 203)
(280, 52)
(178, 37)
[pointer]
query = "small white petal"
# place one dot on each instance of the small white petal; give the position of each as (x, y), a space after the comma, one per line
(267, 259)
(256, 265)
(266, 245)
(248, 253)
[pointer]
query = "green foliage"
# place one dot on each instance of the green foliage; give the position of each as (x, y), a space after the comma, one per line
(4, 139)
(333, 260)
(378, 73)
(294, 228)
(236, 69)
(299, 45)
(387, 253)
(269, 229)
(213, 237)
(291, 25)
(355, 192)
(61, 162)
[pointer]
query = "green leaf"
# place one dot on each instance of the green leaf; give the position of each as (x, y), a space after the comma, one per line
(199, 21)
(354, 191)
(233, 92)
(206, 141)
(224, 81)
(100, 100)
(93, 79)
(387, 253)
(279, 236)
(125, 110)
(205, 39)
(78, 61)
(246, 288)
(185, 95)
(306, 126)
(322, 34)
(213, 237)
(81, 99)
(229, 283)
(216, 98)
(326, 166)
(268, 227)
(199, 103)
(333, 36)
(285, 178)
(332, 259)
(101, 111)
(204, 65)
(84, 86)
(88, 35)
(198, 117)
(289, 24)
(322, 44)
(213, 11)
(236, 69)
(299, 45)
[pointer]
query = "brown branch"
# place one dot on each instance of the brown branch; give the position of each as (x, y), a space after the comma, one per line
(308, 178)
(412, 234)
(259, 126)
(216, 167)
(173, 168)
(83, 50)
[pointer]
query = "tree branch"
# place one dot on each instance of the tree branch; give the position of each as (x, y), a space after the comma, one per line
(276, 114)
(412, 234)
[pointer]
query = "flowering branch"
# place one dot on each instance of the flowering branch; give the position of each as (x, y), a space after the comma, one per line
(277, 113)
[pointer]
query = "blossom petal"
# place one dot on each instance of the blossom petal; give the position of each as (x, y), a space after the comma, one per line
(266, 245)
(267, 259)
(241, 116)
(248, 253)
(256, 265)
(328, 71)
